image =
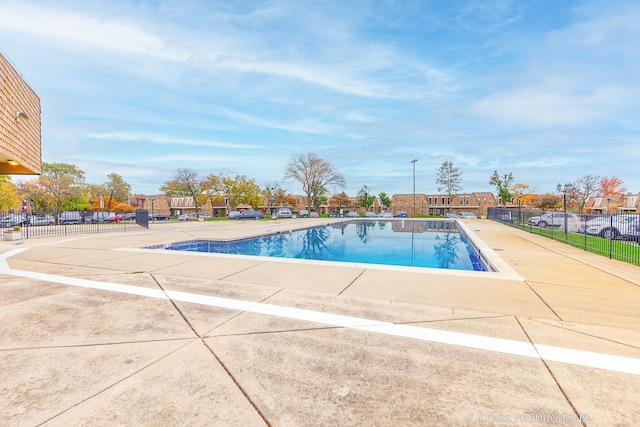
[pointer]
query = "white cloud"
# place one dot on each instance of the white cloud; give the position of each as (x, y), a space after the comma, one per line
(312, 126)
(85, 29)
(161, 139)
(542, 105)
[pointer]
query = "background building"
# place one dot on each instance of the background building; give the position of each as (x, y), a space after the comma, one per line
(20, 137)
(439, 204)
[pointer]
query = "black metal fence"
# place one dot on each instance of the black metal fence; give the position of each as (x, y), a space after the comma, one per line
(18, 225)
(616, 236)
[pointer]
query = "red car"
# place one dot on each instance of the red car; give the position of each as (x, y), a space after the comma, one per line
(115, 218)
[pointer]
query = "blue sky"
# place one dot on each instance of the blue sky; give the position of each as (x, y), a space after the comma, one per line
(547, 90)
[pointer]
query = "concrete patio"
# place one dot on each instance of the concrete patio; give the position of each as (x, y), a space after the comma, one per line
(96, 331)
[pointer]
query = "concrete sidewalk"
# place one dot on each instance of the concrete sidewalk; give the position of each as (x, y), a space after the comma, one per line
(98, 332)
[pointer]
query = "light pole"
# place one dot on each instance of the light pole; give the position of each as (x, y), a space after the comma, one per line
(567, 188)
(414, 186)
(271, 202)
(153, 199)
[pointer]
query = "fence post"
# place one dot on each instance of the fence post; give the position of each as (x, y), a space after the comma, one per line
(611, 237)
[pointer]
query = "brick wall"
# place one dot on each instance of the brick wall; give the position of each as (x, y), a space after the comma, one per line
(20, 137)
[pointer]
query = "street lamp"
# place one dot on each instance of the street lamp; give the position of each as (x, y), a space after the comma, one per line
(564, 189)
(414, 186)
(153, 199)
(271, 201)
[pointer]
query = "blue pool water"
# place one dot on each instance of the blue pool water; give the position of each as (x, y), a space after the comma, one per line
(435, 244)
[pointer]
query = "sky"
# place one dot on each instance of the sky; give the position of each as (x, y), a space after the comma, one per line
(546, 90)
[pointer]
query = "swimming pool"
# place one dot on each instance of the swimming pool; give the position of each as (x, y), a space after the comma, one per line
(432, 244)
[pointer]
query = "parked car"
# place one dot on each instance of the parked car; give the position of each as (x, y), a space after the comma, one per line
(314, 215)
(98, 217)
(158, 217)
(303, 213)
(468, 215)
(284, 213)
(386, 214)
(556, 219)
(352, 214)
(401, 214)
(13, 220)
(249, 214)
(130, 216)
(70, 217)
(370, 215)
(504, 217)
(450, 215)
(115, 218)
(234, 214)
(612, 227)
(41, 220)
(632, 232)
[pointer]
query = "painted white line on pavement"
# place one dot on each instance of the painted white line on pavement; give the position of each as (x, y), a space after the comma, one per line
(520, 348)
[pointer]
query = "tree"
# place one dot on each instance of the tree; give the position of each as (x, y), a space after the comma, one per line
(273, 195)
(241, 190)
(522, 193)
(36, 195)
(449, 180)
(364, 198)
(113, 206)
(186, 182)
(611, 186)
(503, 185)
(315, 175)
(548, 201)
(585, 187)
(116, 189)
(112, 192)
(214, 188)
(340, 200)
(9, 197)
(61, 187)
(170, 189)
(384, 199)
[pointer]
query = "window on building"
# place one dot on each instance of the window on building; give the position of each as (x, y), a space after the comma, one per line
(461, 200)
(468, 200)
(485, 200)
(430, 201)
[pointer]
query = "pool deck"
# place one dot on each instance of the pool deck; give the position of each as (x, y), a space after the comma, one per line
(96, 331)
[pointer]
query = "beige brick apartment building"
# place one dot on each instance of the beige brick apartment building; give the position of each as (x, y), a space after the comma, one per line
(425, 204)
(438, 204)
(20, 137)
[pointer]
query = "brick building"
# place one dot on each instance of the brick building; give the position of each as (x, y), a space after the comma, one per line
(178, 205)
(20, 132)
(438, 204)
(613, 204)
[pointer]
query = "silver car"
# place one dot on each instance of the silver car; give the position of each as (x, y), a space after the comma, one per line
(284, 213)
(556, 219)
(41, 220)
(612, 227)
